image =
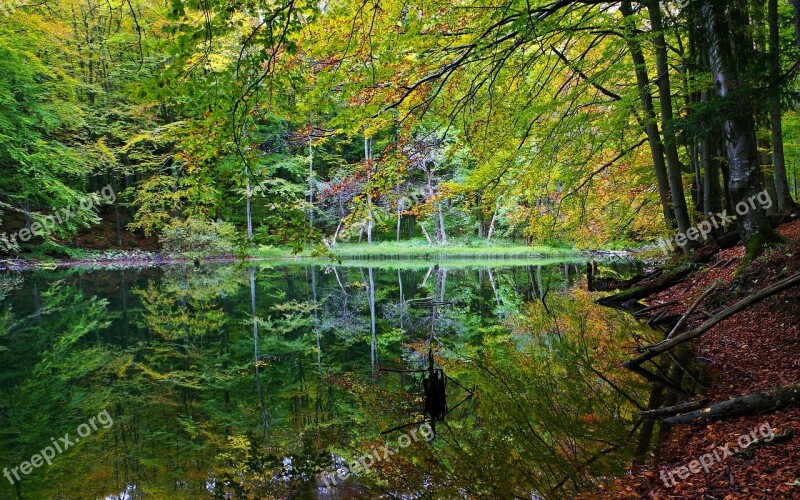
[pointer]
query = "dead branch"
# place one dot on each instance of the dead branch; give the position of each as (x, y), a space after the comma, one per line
(692, 309)
(758, 402)
(661, 347)
(656, 307)
(674, 410)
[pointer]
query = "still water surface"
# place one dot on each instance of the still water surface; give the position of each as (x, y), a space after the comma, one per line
(234, 381)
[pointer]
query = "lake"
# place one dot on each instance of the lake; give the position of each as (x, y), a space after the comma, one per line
(465, 379)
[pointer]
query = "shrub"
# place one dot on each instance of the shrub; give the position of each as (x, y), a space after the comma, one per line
(198, 236)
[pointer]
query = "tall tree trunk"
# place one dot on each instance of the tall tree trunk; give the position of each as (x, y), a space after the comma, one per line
(491, 226)
(368, 158)
(665, 99)
(712, 191)
(698, 186)
(784, 202)
(249, 209)
(310, 182)
(401, 202)
(765, 161)
(796, 8)
(650, 123)
(441, 225)
(745, 176)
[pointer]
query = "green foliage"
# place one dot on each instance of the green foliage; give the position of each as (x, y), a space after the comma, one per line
(196, 236)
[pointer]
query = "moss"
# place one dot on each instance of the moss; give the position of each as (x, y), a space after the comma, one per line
(757, 243)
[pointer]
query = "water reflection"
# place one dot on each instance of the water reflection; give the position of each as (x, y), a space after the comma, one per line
(231, 381)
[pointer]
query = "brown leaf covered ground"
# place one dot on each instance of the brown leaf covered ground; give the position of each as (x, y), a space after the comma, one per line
(755, 350)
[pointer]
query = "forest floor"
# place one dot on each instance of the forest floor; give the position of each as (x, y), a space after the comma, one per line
(755, 350)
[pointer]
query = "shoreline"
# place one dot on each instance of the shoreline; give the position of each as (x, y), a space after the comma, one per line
(746, 355)
(135, 259)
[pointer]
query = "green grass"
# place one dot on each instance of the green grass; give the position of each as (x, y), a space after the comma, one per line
(417, 263)
(420, 249)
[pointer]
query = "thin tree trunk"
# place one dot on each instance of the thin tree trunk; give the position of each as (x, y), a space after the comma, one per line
(441, 225)
(784, 202)
(310, 182)
(368, 158)
(400, 207)
(698, 187)
(712, 191)
(425, 232)
(650, 124)
(667, 116)
(336, 234)
(491, 227)
(249, 210)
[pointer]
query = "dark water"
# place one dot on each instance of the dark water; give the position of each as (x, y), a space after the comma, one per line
(249, 382)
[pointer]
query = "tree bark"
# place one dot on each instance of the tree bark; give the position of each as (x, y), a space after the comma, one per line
(674, 167)
(368, 159)
(726, 37)
(784, 202)
(400, 207)
(712, 191)
(650, 125)
(759, 402)
(491, 226)
(310, 182)
(249, 209)
(796, 8)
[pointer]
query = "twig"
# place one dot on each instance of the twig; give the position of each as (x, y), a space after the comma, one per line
(650, 309)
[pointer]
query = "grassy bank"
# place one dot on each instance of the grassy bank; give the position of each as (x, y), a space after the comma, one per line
(418, 263)
(457, 252)
(420, 249)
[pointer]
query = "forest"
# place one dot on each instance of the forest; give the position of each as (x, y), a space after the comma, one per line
(570, 123)
(259, 241)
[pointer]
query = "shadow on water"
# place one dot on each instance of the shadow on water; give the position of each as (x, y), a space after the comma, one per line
(267, 381)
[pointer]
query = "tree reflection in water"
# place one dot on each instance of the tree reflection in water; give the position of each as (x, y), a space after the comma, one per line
(224, 380)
